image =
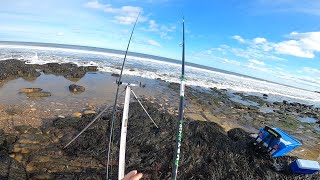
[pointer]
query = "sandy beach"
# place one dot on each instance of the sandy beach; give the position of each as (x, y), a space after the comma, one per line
(34, 129)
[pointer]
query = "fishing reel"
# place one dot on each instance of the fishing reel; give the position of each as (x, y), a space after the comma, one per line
(138, 84)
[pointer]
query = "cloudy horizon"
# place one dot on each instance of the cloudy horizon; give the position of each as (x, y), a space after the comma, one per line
(277, 41)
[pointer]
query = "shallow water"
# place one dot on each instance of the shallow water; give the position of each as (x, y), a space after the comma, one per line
(308, 120)
(238, 99)
(266, 109)
(100, 88)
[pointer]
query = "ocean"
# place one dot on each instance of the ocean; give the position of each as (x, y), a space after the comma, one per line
(153, 67)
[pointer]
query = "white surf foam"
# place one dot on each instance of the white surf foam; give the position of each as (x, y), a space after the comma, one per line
(153, 69)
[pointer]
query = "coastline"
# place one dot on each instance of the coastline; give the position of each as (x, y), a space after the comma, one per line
(228, 110)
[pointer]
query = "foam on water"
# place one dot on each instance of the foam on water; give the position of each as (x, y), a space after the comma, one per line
(153, 69)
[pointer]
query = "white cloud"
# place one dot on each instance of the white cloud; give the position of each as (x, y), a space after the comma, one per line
(60, 34)
(153, 26)
(228, 61)
(162, 30)
(301, 45)
(253, 61)
(293, 48)
(123, 15)
(310, 70)
(153, 43)
(253, 51)
(239, 38)
(259, 68)
(96, 5)
(259, 40)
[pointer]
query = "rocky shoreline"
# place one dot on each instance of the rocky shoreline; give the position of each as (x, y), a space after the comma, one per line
(12, 69)
(216, 139)
(207, 150)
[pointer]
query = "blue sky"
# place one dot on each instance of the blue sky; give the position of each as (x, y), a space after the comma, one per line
(274, 40)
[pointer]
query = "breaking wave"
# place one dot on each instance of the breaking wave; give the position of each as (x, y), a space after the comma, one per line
(156, 69)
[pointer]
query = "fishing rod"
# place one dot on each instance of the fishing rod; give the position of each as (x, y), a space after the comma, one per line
(116, 100)
(181, 110)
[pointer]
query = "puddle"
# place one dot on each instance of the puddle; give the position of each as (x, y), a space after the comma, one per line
(238, 99)
(308, 120)
(266, 110)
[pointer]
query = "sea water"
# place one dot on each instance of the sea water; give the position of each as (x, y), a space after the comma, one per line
(153, 67)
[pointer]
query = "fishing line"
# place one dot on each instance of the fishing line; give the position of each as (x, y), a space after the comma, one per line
(115, 103)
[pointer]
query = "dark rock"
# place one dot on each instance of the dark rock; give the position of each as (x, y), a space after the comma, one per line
(174, 86)
(2, 138)
(265, 95)
(76, 88)
(289, 109)
(68, 70)
(239, 106)
(295, 104)
(237, 134)
(35, 92)
(11, 169)
(206, 151)
(115, 75)
(39, 94)
(285, 102)
(311, 114)
(12, 69)
(278, 103)
(278, 111)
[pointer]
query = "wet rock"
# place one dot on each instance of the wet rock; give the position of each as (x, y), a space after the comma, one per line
(34, 92)
(311, 114)
(239, 106)
(278, 103)
(174, 86)
(13, 111)
(12, 69)
(11, 169)
(237, 134)
(89, 112)
(2, 138)
(30, 90)
(265, 95)
(76, 88)
(18, 157)
(26, 129)
(76, 115)
(39, 94)
(115, 75)
(68, 70)
(206, 151)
